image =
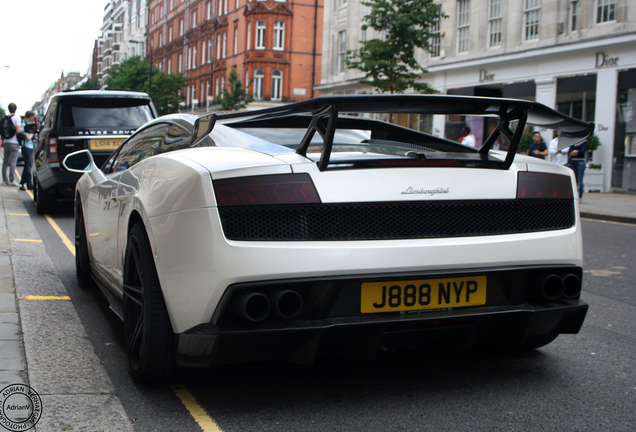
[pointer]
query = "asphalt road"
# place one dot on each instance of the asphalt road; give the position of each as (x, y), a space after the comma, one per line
(578, 383)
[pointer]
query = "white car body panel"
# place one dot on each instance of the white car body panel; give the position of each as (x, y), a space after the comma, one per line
(212, 258)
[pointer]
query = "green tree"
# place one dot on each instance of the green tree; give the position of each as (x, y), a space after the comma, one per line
(389, 63)
(134, 74)
(234, 96)
(2, 112)
(89, 84)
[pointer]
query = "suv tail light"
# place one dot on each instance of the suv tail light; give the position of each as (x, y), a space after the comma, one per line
(264, 190)
(543, 185)
(52, 149)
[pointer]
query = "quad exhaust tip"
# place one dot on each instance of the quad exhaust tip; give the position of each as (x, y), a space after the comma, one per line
(256, 307)
(555, 287)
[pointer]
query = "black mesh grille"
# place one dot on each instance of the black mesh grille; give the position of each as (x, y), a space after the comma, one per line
(384, 221)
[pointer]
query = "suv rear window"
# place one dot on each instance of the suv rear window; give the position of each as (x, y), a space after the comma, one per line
(105, 113)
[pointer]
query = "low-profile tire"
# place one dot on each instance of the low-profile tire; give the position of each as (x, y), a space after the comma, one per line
(534, 342)
(44, 201)
(82, 259)
(149, 336)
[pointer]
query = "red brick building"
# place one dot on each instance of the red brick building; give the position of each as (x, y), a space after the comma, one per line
(277, 44)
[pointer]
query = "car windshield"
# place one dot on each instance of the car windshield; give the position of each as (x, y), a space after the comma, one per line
(105, 113)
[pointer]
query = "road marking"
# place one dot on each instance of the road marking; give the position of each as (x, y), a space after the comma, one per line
(34, 297)
(18, 214)
(206, 423)
(65, 240)
(58, 230)
(28, 240)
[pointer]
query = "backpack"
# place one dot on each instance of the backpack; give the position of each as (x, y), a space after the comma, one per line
(7, 128)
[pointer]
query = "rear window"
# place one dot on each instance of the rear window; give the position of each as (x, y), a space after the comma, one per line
(105, 113)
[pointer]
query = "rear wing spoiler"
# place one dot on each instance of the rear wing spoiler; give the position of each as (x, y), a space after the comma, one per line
(321, 116)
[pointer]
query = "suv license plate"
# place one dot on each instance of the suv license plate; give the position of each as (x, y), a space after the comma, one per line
(411, 295)
(105, 144)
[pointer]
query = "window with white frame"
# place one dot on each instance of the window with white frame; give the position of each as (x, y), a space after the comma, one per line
(208, 7)
(194, 19)
(574, 16)
(277, 85)
(181, 27)
(258, 84)
(531, 19)
(189, 53)
(224, 44)
(216, 87)
(224, 6)
(279, 35)
(463, 26)
(605, 11)
(247, 79)
(235, 40)
(169, 34)
(259, 43)
(436, 41)
(220, 3)
(237, 4)
(218, 47)
(203, 52)
(249, 34)
(169, 66)
(180, 65)
(342, 50)
(194, 57)
(495, 18)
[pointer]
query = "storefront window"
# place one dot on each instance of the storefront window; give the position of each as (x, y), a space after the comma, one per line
(624, 161)
(576, 96)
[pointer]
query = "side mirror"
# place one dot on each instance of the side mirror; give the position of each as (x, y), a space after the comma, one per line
(80, 162)
(31, 128)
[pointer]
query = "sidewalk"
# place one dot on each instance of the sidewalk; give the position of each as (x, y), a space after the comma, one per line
(614, 207)
(43, 343)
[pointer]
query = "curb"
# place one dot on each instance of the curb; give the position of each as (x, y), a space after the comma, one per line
(610, 218)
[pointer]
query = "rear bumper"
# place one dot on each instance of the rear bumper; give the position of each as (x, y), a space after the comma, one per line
(304, 341)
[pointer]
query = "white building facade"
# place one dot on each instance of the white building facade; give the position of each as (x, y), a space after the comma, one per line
(123, 34)
(578, 57)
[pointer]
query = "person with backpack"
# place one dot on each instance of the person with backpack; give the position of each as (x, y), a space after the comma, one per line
(27, 153)
(10, 145)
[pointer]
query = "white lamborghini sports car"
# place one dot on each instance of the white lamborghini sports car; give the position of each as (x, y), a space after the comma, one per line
(324, 228)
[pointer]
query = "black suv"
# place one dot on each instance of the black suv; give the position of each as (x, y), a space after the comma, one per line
(98, 120)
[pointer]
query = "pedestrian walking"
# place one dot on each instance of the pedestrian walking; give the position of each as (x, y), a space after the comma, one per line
(577, 155)
(27, 153)
(559, 156)
(537, 147)
(11, 148)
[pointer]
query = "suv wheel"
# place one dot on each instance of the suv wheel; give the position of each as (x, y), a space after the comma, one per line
(44, 201)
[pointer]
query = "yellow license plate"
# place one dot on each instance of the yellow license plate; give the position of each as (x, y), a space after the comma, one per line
(105, 144)
(410, 295)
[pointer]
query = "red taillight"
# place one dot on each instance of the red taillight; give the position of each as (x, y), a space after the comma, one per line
(52, 149)
(263, 190)
(543, 185)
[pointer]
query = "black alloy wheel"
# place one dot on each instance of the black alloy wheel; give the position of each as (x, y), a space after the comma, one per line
(149, 336)
(82, 260)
